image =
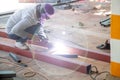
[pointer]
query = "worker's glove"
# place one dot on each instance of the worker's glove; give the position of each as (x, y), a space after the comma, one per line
(43, 37)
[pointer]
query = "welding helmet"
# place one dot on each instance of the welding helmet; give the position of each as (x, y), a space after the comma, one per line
(46, 11)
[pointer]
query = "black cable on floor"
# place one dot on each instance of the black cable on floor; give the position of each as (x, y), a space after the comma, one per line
(96, 73)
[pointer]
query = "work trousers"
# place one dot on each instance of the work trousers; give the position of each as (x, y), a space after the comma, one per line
(32, 30)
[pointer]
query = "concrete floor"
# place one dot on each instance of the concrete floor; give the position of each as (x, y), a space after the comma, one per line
(78, 28)
(51, 72)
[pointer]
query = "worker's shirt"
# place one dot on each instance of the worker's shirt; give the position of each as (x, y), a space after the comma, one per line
(21, 20)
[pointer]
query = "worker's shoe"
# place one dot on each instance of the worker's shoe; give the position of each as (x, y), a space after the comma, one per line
(21, 46)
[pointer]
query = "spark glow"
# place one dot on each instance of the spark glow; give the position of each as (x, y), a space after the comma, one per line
(59, 48)
(63, 32)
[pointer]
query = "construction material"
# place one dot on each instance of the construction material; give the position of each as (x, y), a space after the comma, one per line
(3, 34)
(90, 54)
(14, 57)
(17, 59)
(81, 51)
(105, 22)
(7, 74)
(7, 45)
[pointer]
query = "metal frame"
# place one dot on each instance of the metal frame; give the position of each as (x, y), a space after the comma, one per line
(81, 52)
(7, 45)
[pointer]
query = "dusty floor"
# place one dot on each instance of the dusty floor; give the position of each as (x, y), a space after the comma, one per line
(48, 71)
(79, 28)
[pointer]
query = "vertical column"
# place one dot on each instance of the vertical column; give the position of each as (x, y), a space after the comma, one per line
(115, 38)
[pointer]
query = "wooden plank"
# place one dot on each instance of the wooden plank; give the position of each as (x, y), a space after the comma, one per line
(81, 51)
(8, 45)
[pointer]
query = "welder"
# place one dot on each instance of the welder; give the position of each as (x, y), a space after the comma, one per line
(26, 22)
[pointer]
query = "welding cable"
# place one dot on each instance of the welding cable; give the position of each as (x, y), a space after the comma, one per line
(6, 62)
(6, 58)
(29, 74)
(40, 74)
(96, 72)
(11, 63)
(32, 73)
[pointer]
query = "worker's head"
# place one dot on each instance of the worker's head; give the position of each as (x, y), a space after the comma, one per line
(46, 10)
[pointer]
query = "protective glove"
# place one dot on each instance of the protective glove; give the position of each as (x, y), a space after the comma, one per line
(43, 38)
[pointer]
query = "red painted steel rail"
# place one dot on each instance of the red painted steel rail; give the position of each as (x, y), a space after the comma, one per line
(81, 52)
(8, 45)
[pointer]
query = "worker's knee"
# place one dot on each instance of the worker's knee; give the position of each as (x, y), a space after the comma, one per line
(13, 36)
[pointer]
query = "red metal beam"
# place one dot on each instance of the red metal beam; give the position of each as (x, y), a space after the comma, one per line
(3, 34)
(81, 51)
(8, 45)
(91, 54)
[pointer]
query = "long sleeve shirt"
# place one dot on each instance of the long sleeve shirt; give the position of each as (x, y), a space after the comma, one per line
(21, 20)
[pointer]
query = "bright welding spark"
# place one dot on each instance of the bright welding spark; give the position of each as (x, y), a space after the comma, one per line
(63, 32)
(59, 48)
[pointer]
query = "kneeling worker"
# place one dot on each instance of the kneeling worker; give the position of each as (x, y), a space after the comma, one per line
(24, 23)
